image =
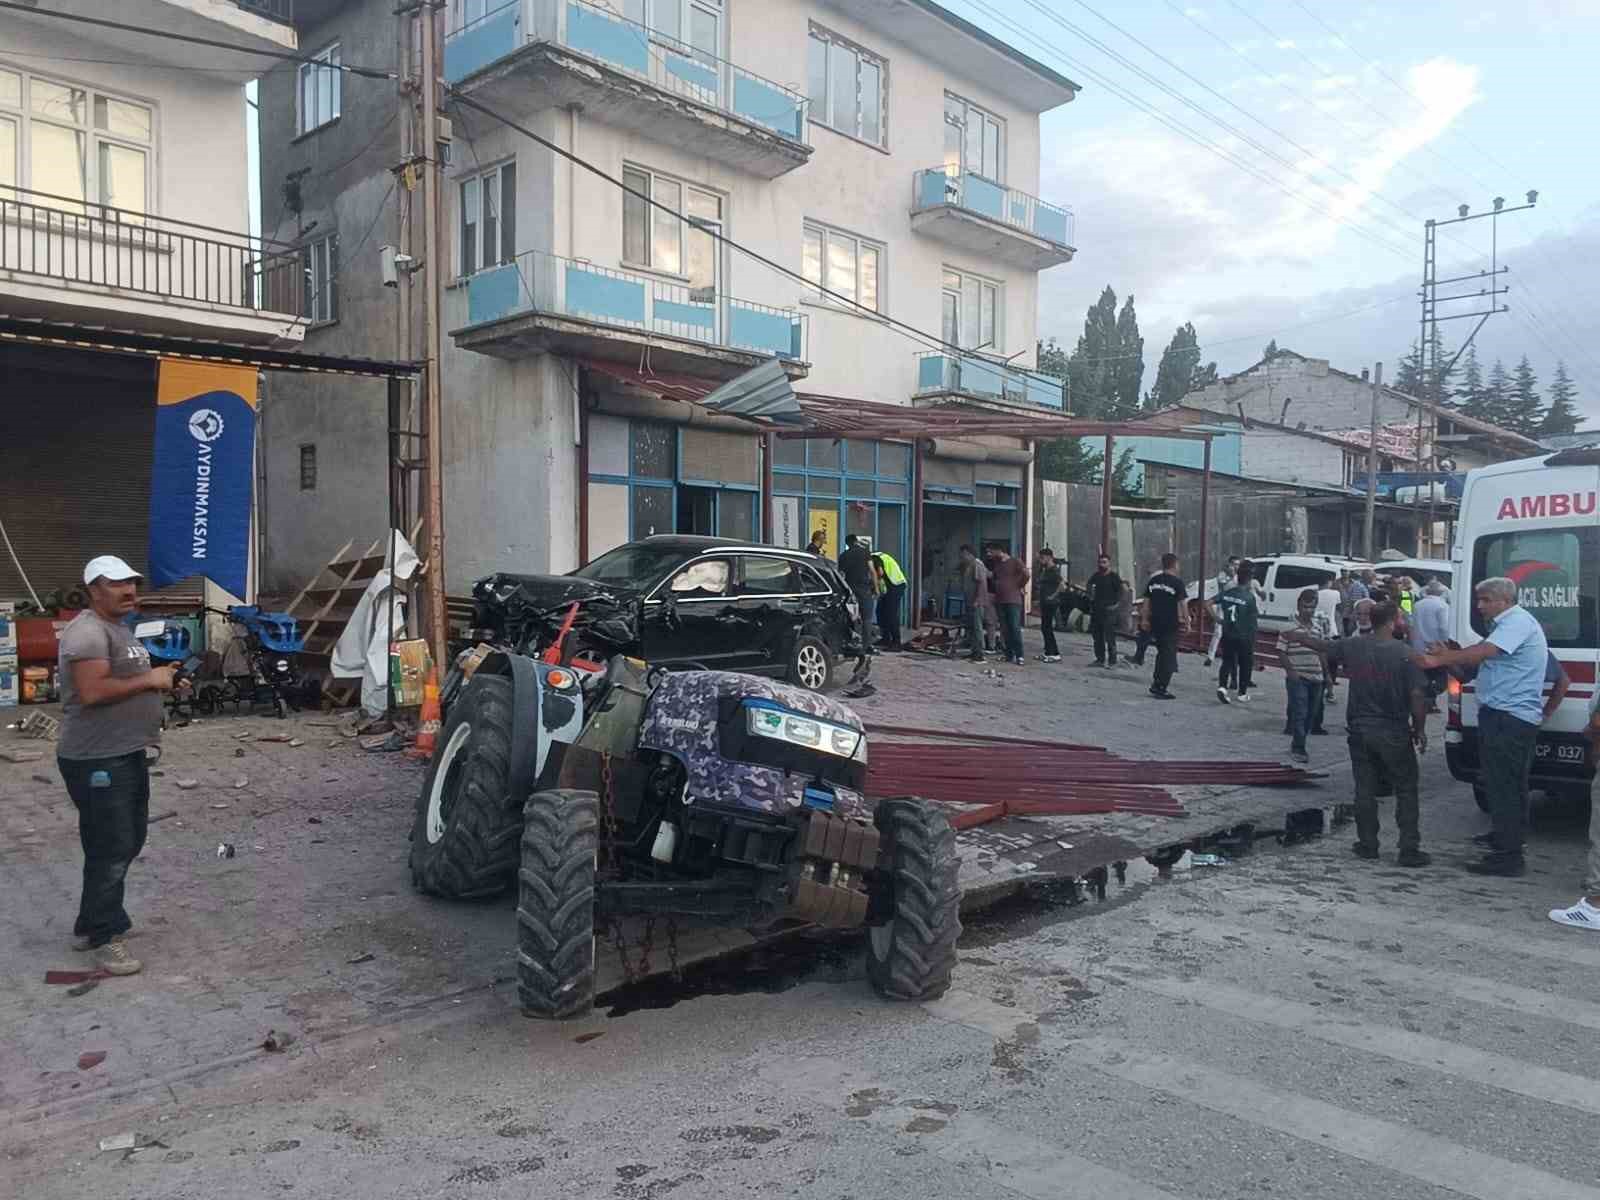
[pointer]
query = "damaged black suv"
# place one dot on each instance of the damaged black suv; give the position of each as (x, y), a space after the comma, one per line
(675, 601)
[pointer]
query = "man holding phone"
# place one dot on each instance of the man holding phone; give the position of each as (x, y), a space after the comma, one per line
(110, 711)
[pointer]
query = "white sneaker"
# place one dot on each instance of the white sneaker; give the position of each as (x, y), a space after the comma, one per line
(1581, 915)
(1243, 697)
(1222, 694)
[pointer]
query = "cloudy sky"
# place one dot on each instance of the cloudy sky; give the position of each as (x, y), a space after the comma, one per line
(1264, 167)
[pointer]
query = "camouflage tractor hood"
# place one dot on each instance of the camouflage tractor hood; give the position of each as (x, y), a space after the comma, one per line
(682, 720)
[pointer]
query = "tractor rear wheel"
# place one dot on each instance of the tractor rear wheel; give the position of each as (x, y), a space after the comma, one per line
(464, 841)
(911, 954)
(555, 904)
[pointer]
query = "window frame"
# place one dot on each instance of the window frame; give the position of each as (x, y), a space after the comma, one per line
(987, 115)
(791, 582)
(23, 118)
(652, 214)
(308, 459)
(821, 36)
(330, 59)
(825, 232)
(995, 345)
(321, 295)
(506, 231)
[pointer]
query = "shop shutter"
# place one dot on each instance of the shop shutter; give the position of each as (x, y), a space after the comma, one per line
(717, 456)
(76, 434)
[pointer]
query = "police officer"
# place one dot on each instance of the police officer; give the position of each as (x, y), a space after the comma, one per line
(891, 590)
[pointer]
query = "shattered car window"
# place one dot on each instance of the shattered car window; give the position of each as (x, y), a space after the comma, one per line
(706, 578)
(636, 565)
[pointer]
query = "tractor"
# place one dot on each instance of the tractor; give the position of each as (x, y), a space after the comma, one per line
(706, 797)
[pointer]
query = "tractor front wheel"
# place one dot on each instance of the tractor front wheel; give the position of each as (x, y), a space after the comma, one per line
(911, 954)
(464, 841)
(555, 904)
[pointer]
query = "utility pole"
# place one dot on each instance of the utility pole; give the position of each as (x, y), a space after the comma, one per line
(1431, 374)
(1372, 465)
(432, 341)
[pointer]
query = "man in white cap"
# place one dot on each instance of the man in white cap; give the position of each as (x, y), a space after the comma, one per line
(110, 711)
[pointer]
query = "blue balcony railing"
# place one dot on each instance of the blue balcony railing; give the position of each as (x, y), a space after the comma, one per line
(599, 31)
(536, 282)
(946, 187)
(940, 372)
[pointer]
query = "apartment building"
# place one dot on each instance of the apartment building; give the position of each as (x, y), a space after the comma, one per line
(124, 231)
(884, 153)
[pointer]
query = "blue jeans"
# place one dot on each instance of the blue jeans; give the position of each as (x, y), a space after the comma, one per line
(1304, 696)
(112, 796)
(1011, 628)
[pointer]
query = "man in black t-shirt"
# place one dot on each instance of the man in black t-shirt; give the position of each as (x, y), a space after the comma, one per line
(1105, 594)
(1166, 612)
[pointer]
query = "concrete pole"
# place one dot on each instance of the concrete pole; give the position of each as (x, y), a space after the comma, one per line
(432, 399)
(1205, 523)
(1372, 465)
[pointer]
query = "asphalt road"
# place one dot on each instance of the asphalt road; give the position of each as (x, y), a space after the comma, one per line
(1296, 1024)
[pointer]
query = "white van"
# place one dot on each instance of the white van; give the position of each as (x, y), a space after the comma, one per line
(1533, 521)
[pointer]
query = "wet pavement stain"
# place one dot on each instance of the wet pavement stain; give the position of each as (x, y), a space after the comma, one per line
(925, 1125)
(767, 969)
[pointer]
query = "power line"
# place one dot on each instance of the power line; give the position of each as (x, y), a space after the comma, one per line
(167, 35)
(119, 62)
(345, 259)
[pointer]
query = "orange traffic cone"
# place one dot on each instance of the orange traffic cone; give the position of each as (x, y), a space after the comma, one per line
(428, 730)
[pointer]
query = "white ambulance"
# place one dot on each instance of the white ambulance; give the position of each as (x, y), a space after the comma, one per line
(1535, 522)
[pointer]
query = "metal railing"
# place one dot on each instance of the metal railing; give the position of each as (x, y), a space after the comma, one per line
(599, 30)
(79, 242)
(972, 193)
(281, 11)
(938, 371)
(547, 283)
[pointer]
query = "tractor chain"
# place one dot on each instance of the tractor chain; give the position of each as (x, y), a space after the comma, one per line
(612, 860)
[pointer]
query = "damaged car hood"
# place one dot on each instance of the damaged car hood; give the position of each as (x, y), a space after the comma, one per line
(529, 608)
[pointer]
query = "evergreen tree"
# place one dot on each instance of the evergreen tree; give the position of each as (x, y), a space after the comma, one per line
(1525, 408)
(1123, 485)
(1562, 415)
(1468, 396)
(1127, 371)
(1090, 370)
(1408, 378)
(1496, 396)
(1179, 371)
(1068, 459)
(1270, 350)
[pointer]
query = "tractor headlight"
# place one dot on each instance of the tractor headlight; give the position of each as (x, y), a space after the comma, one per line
(813, 734)
(283, 665)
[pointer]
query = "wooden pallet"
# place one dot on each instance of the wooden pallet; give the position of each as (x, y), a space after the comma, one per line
(324, 606)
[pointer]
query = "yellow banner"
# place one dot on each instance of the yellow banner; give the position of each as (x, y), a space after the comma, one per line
(181, 379)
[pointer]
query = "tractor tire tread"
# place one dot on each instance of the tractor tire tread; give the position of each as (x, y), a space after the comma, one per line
(555, 904)
(919, 854)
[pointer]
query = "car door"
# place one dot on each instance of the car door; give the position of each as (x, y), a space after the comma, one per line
(692, 617)
(1288, 580)
(770, 600)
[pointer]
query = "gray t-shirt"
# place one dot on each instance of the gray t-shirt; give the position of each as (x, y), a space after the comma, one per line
(1382, 678)
(105, 730)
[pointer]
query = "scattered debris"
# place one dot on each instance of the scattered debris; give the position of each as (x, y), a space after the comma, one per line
(1209, 860)
(313, 820)
(245, 736)
(120, 1141)
(238, 751)
(385, 744)
(361, 958)
(275, 1041)
(43, 779)
(589, 1037)
(241, 782)
(38, 725)
(221, 804)
(84, 988)
(224, 849)
(162, 817)
(188, 785)
(90, 1059)
(272, 737)
(280, 1146)
(21, 756)
(296, 743)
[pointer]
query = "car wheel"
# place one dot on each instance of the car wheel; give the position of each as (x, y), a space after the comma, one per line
(464, 840)
(911, 954)
(811, 665)
(555, 904)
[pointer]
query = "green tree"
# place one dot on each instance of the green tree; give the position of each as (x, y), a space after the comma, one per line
(1179, 372)
(1123, 484)
(1408, 376)
(1067, 459)
(1561, 417)
(1090, 370)
(1525, 408)
(1468, 394)
(1496, 407)
(1127, 370)
(1270, 350)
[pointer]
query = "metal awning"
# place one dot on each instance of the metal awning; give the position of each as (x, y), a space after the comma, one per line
(104, 339)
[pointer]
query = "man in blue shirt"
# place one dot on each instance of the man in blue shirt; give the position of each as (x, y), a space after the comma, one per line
(1510, 666)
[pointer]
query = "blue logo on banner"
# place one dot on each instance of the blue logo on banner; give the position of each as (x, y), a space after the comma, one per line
(200, 490)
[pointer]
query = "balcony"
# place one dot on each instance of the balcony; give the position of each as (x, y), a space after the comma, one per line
(247, 24)
(541, 303)
(63, 259)
(533, 54)
(281, 11)
(940, 374)
(985, 218)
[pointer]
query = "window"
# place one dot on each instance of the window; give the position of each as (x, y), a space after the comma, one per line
(319, 90)
(846, 84)
(75, 143)
(1554, 570)
(970, 311)
(811, 582)
(488, 218)
(308, 468)
(321, 262)
(768, 577)
(842, 263)
(708, 577)
(1294, 579)
(974, 140)
(677, 245)
(690, 26)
